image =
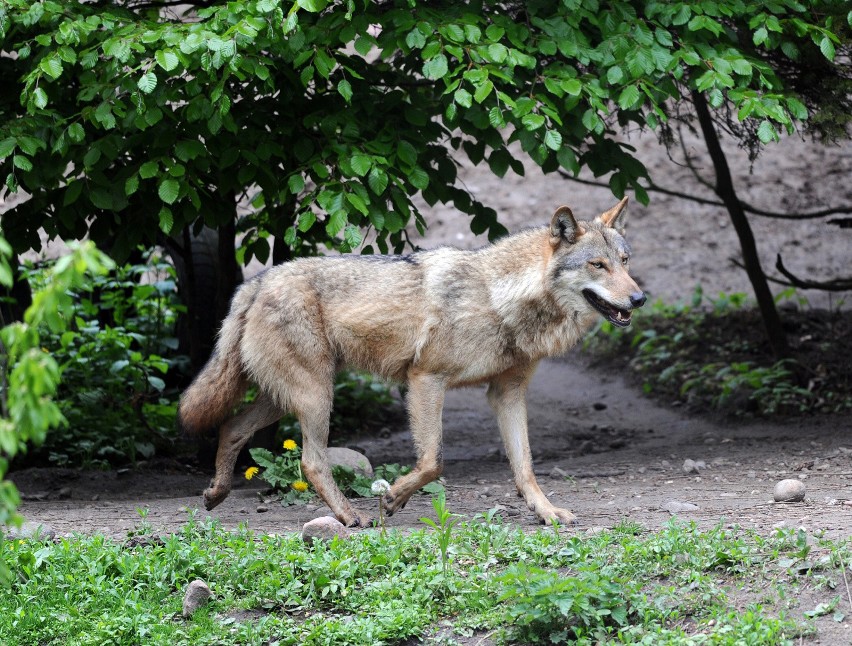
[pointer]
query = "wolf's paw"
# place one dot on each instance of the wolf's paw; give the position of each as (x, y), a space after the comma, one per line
(561, 516)
(357, 521)
(213, 496)
(393, 503)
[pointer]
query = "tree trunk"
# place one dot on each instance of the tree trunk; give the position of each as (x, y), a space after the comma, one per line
(726, 192)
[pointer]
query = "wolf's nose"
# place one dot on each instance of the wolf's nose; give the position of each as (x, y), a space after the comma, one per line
(637, 299)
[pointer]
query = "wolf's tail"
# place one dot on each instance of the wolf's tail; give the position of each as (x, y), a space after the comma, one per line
(221, 384)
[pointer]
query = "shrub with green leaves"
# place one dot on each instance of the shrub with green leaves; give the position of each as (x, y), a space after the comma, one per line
(29, 375)
(700, 353)
(114, 356)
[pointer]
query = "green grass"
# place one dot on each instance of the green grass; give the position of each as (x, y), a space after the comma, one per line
(676, 586)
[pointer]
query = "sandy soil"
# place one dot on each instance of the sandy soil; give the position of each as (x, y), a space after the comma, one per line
(600, 448)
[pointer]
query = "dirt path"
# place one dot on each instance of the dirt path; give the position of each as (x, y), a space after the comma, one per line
(599, 449)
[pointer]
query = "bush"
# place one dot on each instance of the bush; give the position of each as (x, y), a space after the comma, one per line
(711, 355)
(113, 361)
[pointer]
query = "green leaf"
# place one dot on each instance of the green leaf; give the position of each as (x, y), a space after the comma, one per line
(532, 121)
(356, 201)
(614, 74)
(169, 190)
(629, 97)
(52, 66)
(352, 236)
(766, 132)
(361, 163)
(377, 180)
(148, 169)
(131, 185)
(167, 220)
(407, 153)
(567, 159)
(553, 140)
(495, 118)
(40, 98)
(572, 86)
(313, 6)
(436, 68)
(827, 48)
(7, 146)
(463, 98)
(336, 223)
(76, 133)
(23, 162)
(147, 83)
(296, 183)
(306, 221)
(344, 88)
(497, 52)
(167, 59)
(482, 91)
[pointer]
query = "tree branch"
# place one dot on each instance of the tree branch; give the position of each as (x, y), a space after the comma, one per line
(746, 206)
(834, 285)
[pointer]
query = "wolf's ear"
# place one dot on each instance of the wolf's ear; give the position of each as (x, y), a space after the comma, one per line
(616, 217)
(564, 227)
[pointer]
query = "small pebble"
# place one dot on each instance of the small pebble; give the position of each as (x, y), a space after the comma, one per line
(789, 491)
(262, 509)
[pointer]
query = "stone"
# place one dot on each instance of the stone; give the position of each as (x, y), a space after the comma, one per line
(676, 506)
(197, 594)
(30, 529)
(789, 491)
(324, 528)
(358, 462)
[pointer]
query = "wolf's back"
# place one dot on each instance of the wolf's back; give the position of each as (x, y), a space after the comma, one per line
(221, 384)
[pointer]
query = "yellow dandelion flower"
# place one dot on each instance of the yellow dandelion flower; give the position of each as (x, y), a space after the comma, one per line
(290, 445)
(251, 472)
(300, 486)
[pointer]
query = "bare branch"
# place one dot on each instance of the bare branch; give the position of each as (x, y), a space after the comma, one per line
(834, 285)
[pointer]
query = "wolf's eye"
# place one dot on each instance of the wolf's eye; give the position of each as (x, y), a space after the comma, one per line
(597, 264)
(625, 260)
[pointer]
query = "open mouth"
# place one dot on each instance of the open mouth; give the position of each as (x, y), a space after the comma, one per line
(611, 313)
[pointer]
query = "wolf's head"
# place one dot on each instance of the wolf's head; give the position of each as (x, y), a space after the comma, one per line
(588, 271)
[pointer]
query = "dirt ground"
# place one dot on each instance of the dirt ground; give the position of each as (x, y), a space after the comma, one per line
(600, 448)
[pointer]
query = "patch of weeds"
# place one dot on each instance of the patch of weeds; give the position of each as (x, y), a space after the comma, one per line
(679, 585)
(555, 607)
(711, 354)
(283, 472)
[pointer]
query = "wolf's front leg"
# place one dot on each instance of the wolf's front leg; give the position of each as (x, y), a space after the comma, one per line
(425, 403)
(507, 396)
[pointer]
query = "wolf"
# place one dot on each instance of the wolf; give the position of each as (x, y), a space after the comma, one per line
(439, 319)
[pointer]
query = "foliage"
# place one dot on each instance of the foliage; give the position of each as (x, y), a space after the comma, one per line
(126, 121)
(701, 353)
(442, 526)
(113, 391)
(283, 472)
(29, 375)
(676, 586)
(562, 607)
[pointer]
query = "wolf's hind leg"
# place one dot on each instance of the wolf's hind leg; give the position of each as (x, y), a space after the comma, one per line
(233, 436)
(507, 396)
(425, 403)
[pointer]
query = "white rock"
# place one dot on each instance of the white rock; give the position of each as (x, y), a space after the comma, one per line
(676, 506)
(323, 529)
(358, 462)
(789, 491)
